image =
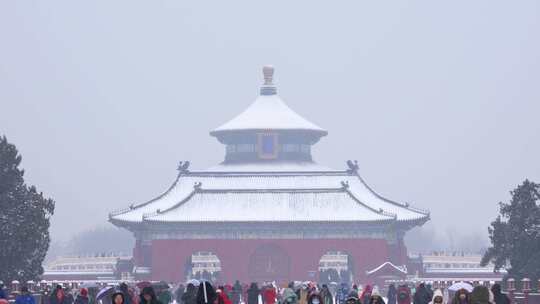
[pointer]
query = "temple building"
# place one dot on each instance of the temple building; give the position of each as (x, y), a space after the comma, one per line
(268, 212)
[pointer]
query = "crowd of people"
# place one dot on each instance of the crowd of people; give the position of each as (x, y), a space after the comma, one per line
(195, 292)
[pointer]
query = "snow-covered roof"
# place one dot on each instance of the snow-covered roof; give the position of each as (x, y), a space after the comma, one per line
(252, 196)
(402, 269)
(263, 205)
(269, 112)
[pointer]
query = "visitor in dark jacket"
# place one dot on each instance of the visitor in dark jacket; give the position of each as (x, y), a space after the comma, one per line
(2, 292)
(190, 295)
(422, 295)
(253, 294)
(148, 296)
(82, 297)
(236, 292)
(206, 294)
(479, 295)
(391, 295)
(25, 297)
(498, 296)
(179, 293)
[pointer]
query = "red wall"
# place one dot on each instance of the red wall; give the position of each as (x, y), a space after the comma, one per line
(169, 256)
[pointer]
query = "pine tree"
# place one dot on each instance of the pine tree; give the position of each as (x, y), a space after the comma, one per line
(24, 220)
(515, 234)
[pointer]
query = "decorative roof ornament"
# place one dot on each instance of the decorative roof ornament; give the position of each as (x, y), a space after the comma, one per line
(353, 166)
(268, 88)
(183, 167)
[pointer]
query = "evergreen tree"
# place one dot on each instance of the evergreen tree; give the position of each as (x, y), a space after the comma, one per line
(24, 220)
(515, 234)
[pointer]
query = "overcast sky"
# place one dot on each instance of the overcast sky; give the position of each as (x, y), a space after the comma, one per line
(439, 102)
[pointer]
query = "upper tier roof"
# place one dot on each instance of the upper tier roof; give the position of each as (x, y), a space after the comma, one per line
(256, 196)
(268, 112)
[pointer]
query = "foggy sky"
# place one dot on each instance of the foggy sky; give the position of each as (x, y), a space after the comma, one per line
(439, 102)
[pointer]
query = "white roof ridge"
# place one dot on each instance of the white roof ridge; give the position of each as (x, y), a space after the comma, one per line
(402, 269)
(136, 206)
(380, 211)
(403, 205)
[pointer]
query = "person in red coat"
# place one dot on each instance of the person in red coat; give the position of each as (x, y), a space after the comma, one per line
(222, 297)
(403, 295)
(270, 295)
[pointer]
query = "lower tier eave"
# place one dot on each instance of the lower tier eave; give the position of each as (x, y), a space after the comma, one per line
(271, 230)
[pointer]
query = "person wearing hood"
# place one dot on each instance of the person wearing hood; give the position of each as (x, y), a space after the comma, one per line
(148, 296)
(315, 298)
(479, 295)
(190, 295)
(82, 297)
(403, 295)
(376, 297)
(253, 293)
(366, 294)
(57, 296)
(461, 297)
(118, 298)
(498, 296)
(392, 294)
(438, 297)
(206, 293)
(25, 297)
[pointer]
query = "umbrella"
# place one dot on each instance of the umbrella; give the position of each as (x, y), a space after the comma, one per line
(161, 285)
(107, 291)
(143, 284)
(461, 285)
(194, 282)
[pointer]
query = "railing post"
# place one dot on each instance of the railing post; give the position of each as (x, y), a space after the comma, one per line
(31, 285)
(14, 286)
(511, 287)
(526, 288)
